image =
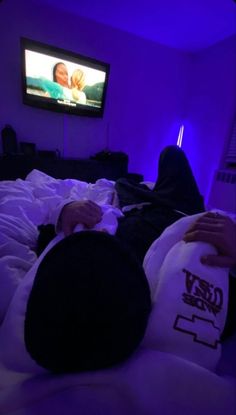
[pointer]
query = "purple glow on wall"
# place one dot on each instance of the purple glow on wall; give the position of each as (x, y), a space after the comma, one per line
(180, 136)
(142, 117)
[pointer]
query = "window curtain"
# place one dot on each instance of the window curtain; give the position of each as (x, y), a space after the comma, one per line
(231, 152)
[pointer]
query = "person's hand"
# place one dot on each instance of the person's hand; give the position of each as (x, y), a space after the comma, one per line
(218, 230)
(83, 212)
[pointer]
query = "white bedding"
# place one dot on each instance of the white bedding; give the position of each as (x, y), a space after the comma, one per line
(150, 382)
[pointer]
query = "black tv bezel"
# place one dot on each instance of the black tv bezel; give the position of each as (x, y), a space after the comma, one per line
(61, 54)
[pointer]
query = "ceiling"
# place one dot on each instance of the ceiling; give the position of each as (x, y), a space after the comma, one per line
(183, 24)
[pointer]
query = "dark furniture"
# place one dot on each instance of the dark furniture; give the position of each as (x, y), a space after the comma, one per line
(18, 166)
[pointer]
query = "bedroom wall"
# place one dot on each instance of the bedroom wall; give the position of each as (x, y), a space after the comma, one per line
(211, 110)
(145, 97)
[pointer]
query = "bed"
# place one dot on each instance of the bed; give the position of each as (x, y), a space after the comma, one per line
(151, 381)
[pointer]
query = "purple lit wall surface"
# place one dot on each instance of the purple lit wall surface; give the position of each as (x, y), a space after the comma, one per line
(153, 90)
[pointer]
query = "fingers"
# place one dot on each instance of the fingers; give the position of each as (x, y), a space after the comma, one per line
(219, 231)
(209, 219)
(213, 215)
(92, 214)
(96, 209)
(84, 212)
(204, 236)
(208, 228)
(217, 261)
(67, 229)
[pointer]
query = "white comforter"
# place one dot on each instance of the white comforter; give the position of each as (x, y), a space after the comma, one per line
(24, 204)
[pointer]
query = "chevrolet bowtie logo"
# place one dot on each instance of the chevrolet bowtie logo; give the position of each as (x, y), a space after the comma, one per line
(203, 330)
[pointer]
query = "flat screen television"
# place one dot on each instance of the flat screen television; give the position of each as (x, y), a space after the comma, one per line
(59, 80)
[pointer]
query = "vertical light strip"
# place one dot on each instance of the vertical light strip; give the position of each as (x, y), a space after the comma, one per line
(65, 136)
(180, 136)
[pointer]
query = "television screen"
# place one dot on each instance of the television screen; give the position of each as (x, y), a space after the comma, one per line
(59, 80)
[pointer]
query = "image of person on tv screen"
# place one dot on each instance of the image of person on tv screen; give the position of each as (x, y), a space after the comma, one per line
(57, 88)
(64, 87)
(60, 74)
(81, 91)
(77, 85)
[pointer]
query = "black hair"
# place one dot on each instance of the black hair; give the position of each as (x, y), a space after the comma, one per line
(89, 304)
(55, 69)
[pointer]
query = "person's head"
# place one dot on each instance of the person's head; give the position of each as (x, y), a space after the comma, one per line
(60, 74)
(89, 304)
(78, 79)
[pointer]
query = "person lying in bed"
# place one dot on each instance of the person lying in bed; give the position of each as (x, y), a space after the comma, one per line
(75, 313)
(175, 195)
